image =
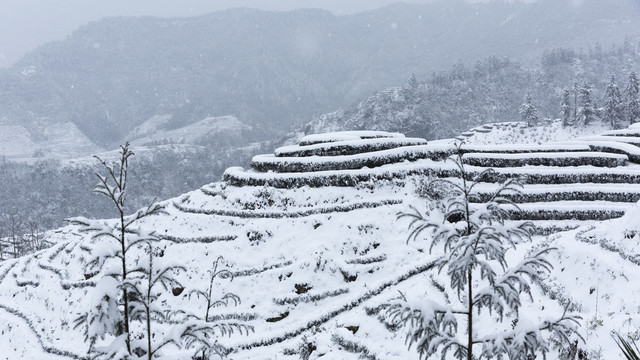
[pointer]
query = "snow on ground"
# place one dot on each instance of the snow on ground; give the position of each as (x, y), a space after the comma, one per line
(66, 140)
(351, 260)
(63, 140)
(311, 264)
(15, 142)
(520, 133)
(153, 131)
(139, 151)
(347, 136)
(601, 281)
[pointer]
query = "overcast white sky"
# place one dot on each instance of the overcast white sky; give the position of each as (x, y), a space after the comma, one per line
(26, 24)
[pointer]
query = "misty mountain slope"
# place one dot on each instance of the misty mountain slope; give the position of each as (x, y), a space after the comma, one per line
(224, 130)
(487, 91)
(311, 264)
(59, 140)
(272, 68)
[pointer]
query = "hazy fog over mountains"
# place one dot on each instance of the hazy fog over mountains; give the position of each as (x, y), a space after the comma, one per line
(32, 23)
(275, 69)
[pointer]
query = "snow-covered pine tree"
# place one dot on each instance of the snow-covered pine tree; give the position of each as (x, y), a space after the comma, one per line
(613, 109)
(413, 83)
(474, 239)
(1, 245)
(565, 108)
(142, 286)
(108, 260)
(528, 112)
(586, 111)
(575, 89)
(631, 99)
(211, 348)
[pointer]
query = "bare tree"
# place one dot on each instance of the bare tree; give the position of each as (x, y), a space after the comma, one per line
(13, 223)
(35, 240)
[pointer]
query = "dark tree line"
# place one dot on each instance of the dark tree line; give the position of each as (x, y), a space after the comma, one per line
(19, 235)
(620, 108)
(37, 197)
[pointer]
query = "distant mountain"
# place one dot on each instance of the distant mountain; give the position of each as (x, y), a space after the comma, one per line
(270, 69)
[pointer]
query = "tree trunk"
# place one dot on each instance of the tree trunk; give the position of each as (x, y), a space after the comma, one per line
(124, 277)
(470, 317)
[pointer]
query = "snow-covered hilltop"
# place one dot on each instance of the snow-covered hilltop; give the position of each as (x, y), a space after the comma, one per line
(311, 237)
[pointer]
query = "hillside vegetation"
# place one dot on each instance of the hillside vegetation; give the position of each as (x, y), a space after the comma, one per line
(486, 91)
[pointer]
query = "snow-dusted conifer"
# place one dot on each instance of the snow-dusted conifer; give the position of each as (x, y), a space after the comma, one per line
(586, 111)
(632, 100)
(528, 112)
(613, 110)
(210, 347)
(565, 108)
(474, 240)
(108, 258)
(143, 288)
(1, 245)
(413, 82)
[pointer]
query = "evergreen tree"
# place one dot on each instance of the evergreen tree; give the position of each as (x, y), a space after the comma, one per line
(413, 82)
(210, 349)
(410, 89)
(613, 111)
(565, 108)
(586, 111)
(575, 103)
(528, 112)
(110, 252)
(632, 102)
(142, 285)
(1, 246)
(474, 239)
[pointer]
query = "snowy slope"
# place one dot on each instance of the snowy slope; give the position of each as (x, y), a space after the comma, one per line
(341, 243)
(15, 141)
(154, 131)
(58, 141)
(520, 133)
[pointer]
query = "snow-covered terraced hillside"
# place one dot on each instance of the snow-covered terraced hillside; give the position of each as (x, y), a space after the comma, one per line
(592, 175)
(314, 252)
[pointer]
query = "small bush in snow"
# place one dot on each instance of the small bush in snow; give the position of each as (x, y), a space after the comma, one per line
(474, 242)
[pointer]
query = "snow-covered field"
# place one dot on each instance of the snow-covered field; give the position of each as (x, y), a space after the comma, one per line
(63, 140)
(155, 131)
(313, 259)
(520, 133)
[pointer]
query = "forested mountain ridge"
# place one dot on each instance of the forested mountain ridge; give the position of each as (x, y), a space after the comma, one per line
(272, 69)
(486, 91)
